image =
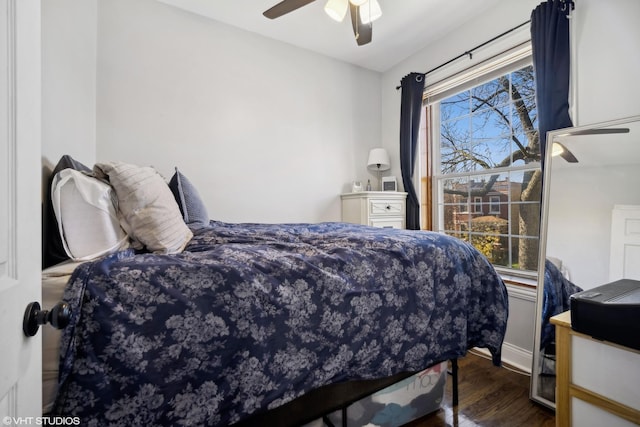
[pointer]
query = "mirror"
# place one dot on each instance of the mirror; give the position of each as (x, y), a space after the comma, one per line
(597, 174)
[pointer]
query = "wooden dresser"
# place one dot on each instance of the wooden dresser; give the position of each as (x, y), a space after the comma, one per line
(597, 382)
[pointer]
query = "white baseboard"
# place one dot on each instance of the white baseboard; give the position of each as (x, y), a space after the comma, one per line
(513, 356)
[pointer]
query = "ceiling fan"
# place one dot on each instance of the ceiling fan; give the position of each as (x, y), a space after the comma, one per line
(363, 13)
(560, 150)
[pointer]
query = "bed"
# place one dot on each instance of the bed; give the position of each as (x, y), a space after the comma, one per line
(556, 299)
(231, 322)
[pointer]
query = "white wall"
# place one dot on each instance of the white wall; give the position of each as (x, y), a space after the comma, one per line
(607, 60)
(266, 131)
(68, 81)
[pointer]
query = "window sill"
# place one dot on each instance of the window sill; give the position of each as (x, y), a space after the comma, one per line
(517, 280)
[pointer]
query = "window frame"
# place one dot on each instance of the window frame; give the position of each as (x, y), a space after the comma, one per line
(509, 61)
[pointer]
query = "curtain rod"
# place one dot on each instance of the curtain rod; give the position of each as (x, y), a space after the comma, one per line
(470, 51)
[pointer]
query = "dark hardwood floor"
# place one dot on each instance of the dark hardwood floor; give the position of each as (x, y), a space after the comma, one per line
(489, 396)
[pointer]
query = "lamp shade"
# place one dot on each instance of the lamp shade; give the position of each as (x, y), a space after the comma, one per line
(378, 160)
(358, 2)
(336, 9)
(370, 11)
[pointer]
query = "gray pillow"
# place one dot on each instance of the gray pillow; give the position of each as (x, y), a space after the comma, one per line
(193, 210)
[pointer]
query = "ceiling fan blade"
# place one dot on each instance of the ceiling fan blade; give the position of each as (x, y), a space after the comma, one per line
(568, 156)
(285, 7)
(605, 131)
(362, 32)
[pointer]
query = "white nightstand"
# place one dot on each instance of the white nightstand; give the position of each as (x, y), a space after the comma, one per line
(375, 208)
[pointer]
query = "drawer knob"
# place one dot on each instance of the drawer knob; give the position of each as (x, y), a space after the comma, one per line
(388, 207)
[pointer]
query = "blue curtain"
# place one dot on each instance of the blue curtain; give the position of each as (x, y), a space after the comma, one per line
(411, 102)
(551, 65)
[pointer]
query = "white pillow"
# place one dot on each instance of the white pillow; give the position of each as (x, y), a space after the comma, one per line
(86, 212)
(148, 211)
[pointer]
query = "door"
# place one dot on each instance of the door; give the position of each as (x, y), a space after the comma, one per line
(625, 243)
(20, 189)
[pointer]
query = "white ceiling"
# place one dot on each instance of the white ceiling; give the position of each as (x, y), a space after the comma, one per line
(406, 26)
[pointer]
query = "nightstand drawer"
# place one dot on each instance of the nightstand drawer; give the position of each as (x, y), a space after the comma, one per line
(386, 207)
(387, 223)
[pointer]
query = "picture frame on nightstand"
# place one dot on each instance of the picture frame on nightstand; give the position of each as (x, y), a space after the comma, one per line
(389, 183)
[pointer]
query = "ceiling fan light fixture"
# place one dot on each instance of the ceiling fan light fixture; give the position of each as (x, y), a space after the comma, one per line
(337, 9)
(556, 149)
(370, 11)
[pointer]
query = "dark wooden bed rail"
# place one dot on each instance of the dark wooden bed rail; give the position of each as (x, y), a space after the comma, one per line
(320, 402)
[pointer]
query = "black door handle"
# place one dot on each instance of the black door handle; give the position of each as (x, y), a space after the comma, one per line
(58, 317)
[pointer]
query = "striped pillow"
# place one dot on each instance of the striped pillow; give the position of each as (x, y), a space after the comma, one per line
(147, 210)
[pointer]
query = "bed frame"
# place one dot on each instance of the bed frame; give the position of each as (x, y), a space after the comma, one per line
(324, 400)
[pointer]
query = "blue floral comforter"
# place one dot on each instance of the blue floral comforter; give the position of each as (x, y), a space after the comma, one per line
(555, 300)
(250, 316)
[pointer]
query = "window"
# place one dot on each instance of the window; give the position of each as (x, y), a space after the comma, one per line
(464, 207)
(477, 204)
(482, 141)
(494, 205)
